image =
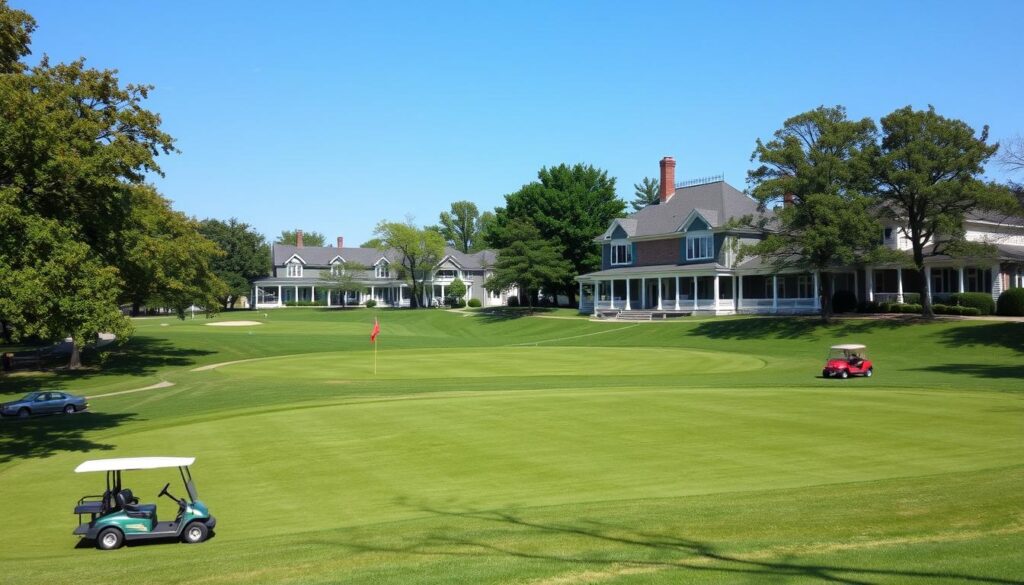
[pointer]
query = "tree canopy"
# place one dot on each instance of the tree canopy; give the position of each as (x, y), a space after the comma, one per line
(927, 174)
(460, 227)
(420, 250)
(569, 206)
(645, 193)
(291, 238)
(529, 262)
(246, 256)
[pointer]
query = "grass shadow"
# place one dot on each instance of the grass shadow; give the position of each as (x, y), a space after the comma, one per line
(794, 327)
(643, 550)
(45, 436)
(1007, 335)
(979, 370)
(502, 314)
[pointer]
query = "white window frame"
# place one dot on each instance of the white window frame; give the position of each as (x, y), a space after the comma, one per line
(704, 251)
(338, 268)
(294, 269)
(382, 269)
(446, 273)
(627, 253)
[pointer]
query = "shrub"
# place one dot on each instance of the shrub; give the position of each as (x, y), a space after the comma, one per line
(844, 301)
(457, 303)
(886, 307)
(474, 303)
(907, 308)
(512, 301)
(371, 303)
(1011, 303)
(981, 301)
(303, 304)
(912, 298)
(868, 307)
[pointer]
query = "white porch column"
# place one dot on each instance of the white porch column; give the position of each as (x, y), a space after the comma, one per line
(373, 294)
(899, 284)
(328, 298)
(928, 277)
(716, 293)
(643, 293)
(659, 293)
(677, 293)
(579, 303)
(255, 296)
(296, 293)
(695, 293)
(312, 293)
(856, 288)
(627, 296)
(739, 292)
(960, 279)
(597, 295)
(817, 295)
(869, 282)
(279, 295)
(775, 293)
(611, 293)
(997, 282)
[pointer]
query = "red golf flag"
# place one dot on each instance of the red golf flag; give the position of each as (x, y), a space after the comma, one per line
(375, 332)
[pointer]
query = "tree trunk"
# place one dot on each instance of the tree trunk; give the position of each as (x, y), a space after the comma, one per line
(826, 297)
(6, 331)
(922, 278)
(75, 361)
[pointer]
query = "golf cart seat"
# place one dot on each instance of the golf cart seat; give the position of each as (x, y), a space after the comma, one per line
(129, 503)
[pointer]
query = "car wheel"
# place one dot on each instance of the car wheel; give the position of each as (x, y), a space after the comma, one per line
(195, 533)
(69, 409)
(844, 374)
(109, 539)
(824, 374)
(24, 413)
(869, 372)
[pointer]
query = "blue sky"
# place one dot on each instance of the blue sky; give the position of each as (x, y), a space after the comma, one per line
(331, 116)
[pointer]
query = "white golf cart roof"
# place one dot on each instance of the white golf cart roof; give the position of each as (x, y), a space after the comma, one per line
(129, 463)
(850, 346)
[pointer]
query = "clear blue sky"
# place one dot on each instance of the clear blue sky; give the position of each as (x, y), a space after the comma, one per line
(331, 116)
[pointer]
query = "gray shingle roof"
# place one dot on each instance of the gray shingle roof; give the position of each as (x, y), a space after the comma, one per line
(322, 256)
(718, 202)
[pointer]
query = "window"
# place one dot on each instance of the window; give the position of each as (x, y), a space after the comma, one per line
(338, 269)
(294, 270)
(450, 274)
(622, 253)
(699, 247)
(381, 270)
(804, 287)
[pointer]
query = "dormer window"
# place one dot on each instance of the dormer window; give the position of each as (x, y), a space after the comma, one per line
(381, 270)
(338, 268)
(294, 270)
(622, 253)
(700, 246)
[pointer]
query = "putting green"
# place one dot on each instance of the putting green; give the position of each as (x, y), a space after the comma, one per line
(496, 362)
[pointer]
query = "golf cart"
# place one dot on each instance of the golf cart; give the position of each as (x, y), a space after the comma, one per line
(848, 359)
(117, 516)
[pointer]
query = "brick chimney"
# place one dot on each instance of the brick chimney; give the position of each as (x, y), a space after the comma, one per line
(341, 242)
(298, 238)
(787, 200)
(668, 179)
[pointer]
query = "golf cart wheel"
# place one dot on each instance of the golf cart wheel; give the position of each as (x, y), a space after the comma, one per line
(24, 413)
(869, 372)
(824, 374)
(844, 374)
(109, 539)
(195, 533)
(69, 409)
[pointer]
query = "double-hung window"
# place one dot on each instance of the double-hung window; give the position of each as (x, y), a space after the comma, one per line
(381, 270)
(294, 270)
(622, 253)
(338, 269)
(699, 246)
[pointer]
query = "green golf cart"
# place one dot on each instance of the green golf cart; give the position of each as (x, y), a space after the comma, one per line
(117, 516)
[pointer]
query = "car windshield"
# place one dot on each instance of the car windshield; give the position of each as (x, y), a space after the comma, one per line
(845, 354)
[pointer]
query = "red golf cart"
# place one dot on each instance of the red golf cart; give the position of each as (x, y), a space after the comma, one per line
(848, 359)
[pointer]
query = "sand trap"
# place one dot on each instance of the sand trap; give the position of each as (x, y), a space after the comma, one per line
(234, 324)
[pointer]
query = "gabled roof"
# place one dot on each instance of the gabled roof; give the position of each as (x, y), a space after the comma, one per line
(717, 202)
(324, 256)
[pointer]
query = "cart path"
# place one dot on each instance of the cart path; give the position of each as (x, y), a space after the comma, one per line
(153, 387)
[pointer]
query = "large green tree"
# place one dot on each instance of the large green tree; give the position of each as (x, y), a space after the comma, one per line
(246, 256)
(419, 251)
(291, 238)
(645, 193)
(460, 227)
(529, 262)
(927, 174)
(818, 164)
(76, 148)
(344, 277)
(569, 206)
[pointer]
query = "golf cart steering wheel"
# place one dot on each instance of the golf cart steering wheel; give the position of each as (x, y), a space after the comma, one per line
(163, 492)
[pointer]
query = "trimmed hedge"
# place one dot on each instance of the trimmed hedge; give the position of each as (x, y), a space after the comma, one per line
(475, 303)
(979, 300)
(844, 301)
(955, 310)
(305, 304)
(1011, 303)
(912, 298)
(371, 303)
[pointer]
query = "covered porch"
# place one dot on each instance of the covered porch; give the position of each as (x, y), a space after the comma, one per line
(271, 295)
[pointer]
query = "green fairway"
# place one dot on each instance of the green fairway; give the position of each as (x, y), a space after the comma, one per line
(546, 449)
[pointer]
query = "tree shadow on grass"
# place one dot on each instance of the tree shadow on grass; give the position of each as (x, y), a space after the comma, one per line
(793, 327)
(501, 314)
(979, 370)
(139, 356)
(45, 436)
(642, 550)
(1007, 335)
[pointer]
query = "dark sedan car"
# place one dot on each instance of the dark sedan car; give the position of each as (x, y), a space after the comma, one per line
(43, 403)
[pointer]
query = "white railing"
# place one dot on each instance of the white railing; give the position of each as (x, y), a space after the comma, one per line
(779, 305)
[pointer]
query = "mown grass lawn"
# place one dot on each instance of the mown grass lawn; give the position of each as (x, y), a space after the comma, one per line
(501, 448)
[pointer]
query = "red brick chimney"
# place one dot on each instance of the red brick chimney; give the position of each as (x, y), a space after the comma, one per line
(341, 242)
(787, 200)
(668, 179)
(298, 238)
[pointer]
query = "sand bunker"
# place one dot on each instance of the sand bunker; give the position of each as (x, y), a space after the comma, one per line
(234, 324)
